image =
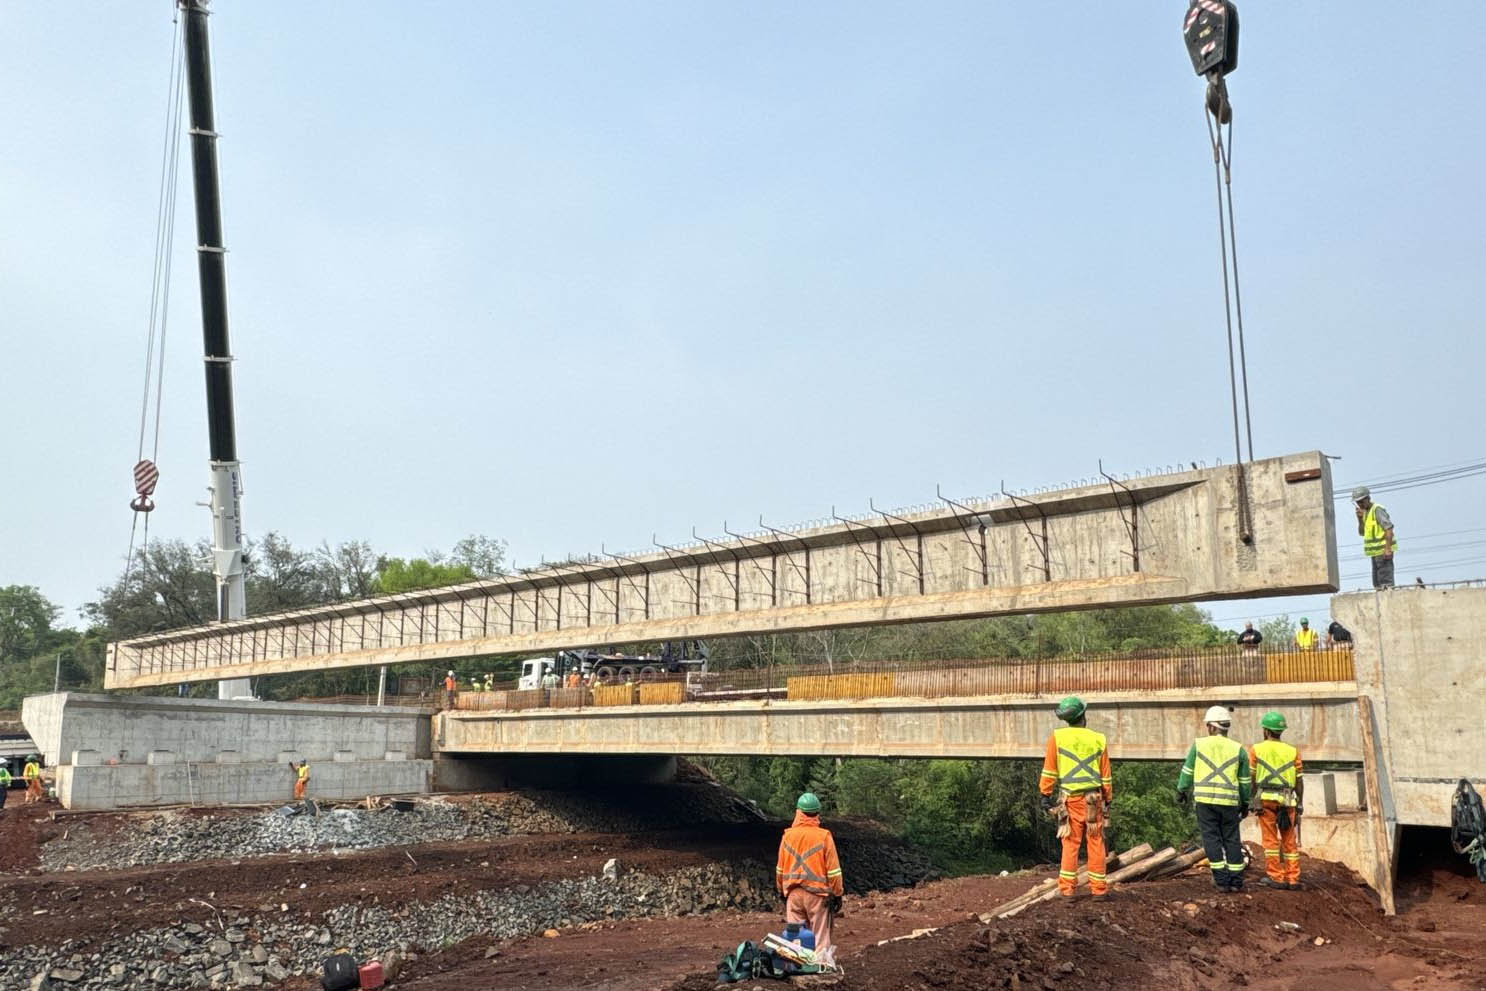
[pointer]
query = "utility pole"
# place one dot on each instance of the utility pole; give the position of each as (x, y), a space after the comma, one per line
(211, 261)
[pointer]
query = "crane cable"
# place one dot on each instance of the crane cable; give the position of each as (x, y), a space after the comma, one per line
(1215, 115)
(154, 361)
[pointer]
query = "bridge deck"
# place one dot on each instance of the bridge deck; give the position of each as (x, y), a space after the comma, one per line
(1141, 725)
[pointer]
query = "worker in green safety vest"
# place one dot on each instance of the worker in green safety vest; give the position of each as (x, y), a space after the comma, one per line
(1279, 791)
(1216, 775)
(1376, 530)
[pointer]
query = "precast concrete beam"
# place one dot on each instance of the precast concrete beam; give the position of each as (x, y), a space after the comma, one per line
(1140, 726)
(1264, 529)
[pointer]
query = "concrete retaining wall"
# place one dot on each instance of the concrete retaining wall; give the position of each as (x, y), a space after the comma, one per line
(127, 728)
(124, 786)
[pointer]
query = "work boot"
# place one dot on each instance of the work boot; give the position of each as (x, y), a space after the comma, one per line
(1270, 882)
(1295, 886)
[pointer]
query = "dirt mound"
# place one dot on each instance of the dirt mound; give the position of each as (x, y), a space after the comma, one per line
(1177, 934)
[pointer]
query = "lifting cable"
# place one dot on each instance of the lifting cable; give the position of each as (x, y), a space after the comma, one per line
(146, 474)
(1210, 30)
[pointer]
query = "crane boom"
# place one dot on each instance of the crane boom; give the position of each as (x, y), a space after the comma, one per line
(211, 263)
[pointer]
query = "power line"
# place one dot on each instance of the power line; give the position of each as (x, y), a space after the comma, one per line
(1400, 483)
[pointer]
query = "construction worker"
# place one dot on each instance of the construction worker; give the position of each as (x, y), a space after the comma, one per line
(449, 686)
(32, 775)
(1084, 792)
(4, 784)
(301, 778)
(1250, 638)
(1338, 635)
(808, 875)
(1376, 530)
(1279, 791)
(1216, 774)
(1305, 637)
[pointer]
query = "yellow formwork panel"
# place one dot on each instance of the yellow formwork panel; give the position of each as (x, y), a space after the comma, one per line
(1328, 665)
(839, 686)
(662, 692)
(613, 694)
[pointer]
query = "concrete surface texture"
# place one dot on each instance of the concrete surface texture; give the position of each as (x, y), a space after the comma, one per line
(1141, 725)
(129, 729)
(1167, 538)
(124, 786)
(1420, 658)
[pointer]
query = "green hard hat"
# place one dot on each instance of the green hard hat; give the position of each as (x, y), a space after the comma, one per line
(808, 803)
(1273, 720)
(1304, 621)
(1070, 708)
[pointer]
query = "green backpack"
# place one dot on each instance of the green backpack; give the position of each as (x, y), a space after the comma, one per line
(747, 962)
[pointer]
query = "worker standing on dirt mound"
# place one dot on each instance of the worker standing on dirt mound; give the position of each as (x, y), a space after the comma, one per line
(808, 875)
(1084, 792)
(1220, 768)
(1279, 790)
(32, 775)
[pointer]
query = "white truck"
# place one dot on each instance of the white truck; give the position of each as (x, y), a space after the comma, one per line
(676, 657)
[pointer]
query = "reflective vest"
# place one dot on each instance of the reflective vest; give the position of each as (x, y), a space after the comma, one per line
(1274, 771)
(1373, 541)
(304, 771)
(32, 771)
(1078, 758)
(807, 859)
(1216, 771)
(1305, 639)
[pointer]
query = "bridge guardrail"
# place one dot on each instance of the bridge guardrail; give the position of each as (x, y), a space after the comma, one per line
(1146, 670)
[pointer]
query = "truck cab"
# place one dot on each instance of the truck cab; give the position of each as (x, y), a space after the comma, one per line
(533, 671)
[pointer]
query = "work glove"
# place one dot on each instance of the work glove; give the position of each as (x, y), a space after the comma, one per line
(1047, 802)
(1182, 797)
(835, 904)
(1243, 813)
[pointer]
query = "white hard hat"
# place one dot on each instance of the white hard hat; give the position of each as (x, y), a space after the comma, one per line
(451, 674)
(1216, 714)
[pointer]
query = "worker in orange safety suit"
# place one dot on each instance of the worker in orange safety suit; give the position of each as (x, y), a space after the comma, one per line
(1076, 767)
(301, 777)
(1279, 790)
(808, 875)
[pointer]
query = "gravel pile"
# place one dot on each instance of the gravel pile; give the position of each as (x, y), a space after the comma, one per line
(176, 837)
(255, 949)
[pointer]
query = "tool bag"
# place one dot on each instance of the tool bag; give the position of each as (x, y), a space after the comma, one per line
(340, 973)
(747, 962)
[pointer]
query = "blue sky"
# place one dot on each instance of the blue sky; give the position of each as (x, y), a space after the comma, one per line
(579, 273)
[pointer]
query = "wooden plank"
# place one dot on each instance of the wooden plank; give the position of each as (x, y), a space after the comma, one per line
(1372, 766)
(1036, 891)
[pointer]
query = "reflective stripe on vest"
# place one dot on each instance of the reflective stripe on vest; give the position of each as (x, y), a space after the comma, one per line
(1274, 771)
(1217, 770)
(1305, 638)
(800, 872)
(1078, 758)
(1373, 540)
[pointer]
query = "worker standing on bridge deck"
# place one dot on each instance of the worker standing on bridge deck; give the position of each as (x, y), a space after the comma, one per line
(32, 775)
(449, 686)
(1084, 793)
(1376, 530)
(1220, 769)
(1279, 791)
(1305, 637)
(808, 875)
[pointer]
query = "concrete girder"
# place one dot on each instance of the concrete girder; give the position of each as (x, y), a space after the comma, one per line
(1142, 725)
(1061, 550)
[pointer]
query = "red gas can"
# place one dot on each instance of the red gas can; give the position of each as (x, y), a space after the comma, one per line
(371, 974)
